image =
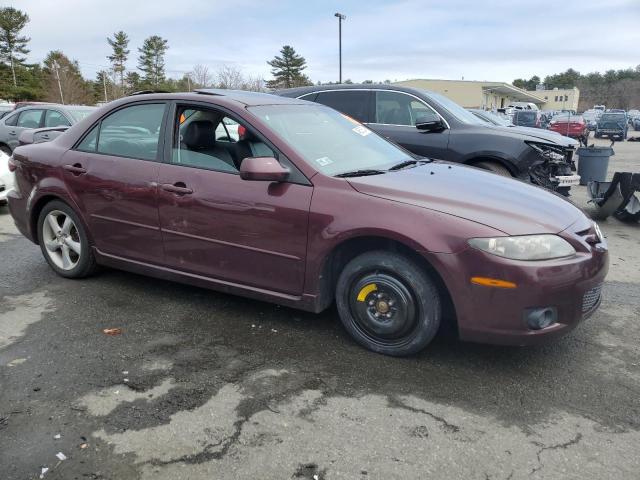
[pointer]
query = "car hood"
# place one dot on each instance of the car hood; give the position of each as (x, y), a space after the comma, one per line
(538, 134)
(508, 205)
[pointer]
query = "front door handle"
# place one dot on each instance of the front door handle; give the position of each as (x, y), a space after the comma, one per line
(12, 132)
(178, 188)
(75, 169)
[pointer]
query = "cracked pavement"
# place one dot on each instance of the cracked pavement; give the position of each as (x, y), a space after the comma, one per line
(206, 385)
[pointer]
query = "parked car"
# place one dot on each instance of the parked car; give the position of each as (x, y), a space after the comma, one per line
(591, 117)
(431, 125)
(527, 118)
(523, 106)
(308, 207)
(612, 125)
(6, 178)
(503, 121)
(573, 126)
(38, 116)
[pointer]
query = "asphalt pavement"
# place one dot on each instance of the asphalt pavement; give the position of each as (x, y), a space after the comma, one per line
(202, 385)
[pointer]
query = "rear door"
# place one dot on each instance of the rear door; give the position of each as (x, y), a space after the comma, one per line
(28, 119)
(395, 118)
(113, 174)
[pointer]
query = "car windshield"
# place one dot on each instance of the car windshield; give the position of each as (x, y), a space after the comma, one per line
(494, 118)
(456, 110)
(330, 141)
(80, 113)
(612, 117)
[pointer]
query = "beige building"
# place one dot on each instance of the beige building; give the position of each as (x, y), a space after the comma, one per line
(493, 95)
(559, 99)
(476, 94)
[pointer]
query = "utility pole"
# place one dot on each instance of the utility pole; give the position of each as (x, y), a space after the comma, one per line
(341, 17)
(104, 84)
(56, 67)
(189, 82)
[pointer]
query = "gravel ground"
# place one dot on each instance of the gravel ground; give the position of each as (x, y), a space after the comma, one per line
(204, 385)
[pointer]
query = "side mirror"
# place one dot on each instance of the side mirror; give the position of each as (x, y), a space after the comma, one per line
(266, 169)
(430, 122)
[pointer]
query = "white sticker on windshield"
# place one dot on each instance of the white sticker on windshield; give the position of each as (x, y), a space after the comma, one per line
(324, 161)
(361, 130)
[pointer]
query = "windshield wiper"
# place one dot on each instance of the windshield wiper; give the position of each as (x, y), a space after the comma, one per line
(406, 163)
(360, 173)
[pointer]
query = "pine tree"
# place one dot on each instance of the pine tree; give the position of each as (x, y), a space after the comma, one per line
(120, 54)
(12, 45)
(287, 69)
(63, 81)
(132, 82)
(151, 60)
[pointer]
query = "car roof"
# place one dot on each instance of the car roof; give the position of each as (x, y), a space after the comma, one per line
(299, 91)
(242, 97)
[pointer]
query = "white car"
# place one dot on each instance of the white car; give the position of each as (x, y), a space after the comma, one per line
(6, 178)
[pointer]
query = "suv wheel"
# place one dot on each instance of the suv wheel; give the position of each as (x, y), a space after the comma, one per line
(64, 242)
(5, 149)
(494, 167)
(388, 304)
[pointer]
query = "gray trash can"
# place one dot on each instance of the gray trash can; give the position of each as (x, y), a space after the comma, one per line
(593, 163)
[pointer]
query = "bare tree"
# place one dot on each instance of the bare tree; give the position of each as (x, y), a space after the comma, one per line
(230, 77)
(201, 76)
(254, 84)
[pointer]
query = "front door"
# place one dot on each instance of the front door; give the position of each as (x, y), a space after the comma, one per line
(113, 174)
(395, 119)
(215, 224)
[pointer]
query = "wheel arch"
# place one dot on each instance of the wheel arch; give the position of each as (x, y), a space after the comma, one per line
(41, 202)
(335, 261)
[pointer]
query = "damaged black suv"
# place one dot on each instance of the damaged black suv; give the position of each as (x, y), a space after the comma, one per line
(431, 125)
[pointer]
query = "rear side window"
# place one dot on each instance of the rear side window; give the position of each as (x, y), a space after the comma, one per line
(11, 121)
(353, 103)
(30, 118)
(131, 132)
(53, 118)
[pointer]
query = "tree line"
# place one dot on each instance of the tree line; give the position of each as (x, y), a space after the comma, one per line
(59, 79)
(614, 88)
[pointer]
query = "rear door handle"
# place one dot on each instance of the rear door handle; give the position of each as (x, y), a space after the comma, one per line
(178, 188)
(76, 169)
(12, 132)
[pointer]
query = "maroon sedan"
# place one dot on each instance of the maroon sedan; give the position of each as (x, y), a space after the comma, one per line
(291, 202)
(573, 126)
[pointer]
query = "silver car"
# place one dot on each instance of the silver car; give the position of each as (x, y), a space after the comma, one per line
(38, 116)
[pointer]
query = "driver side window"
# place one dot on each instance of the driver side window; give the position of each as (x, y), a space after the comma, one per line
(396, 108)
(211, 140)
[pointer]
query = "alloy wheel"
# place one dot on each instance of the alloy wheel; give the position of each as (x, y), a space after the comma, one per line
(61, 240)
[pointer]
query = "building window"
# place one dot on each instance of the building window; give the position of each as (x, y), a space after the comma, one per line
(566, 98)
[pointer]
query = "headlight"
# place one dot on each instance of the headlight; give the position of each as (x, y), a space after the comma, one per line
(546, 150)
(526, 247)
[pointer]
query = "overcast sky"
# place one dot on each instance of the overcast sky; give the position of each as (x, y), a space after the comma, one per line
(479, 40)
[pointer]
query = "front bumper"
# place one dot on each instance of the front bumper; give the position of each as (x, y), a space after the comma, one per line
(496, 315)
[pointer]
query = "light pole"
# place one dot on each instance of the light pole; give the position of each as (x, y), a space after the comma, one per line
(341, 17)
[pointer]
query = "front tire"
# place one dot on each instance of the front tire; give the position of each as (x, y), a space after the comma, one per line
(494, 167)
(6, 150)
(388, 304)
(64, 241)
